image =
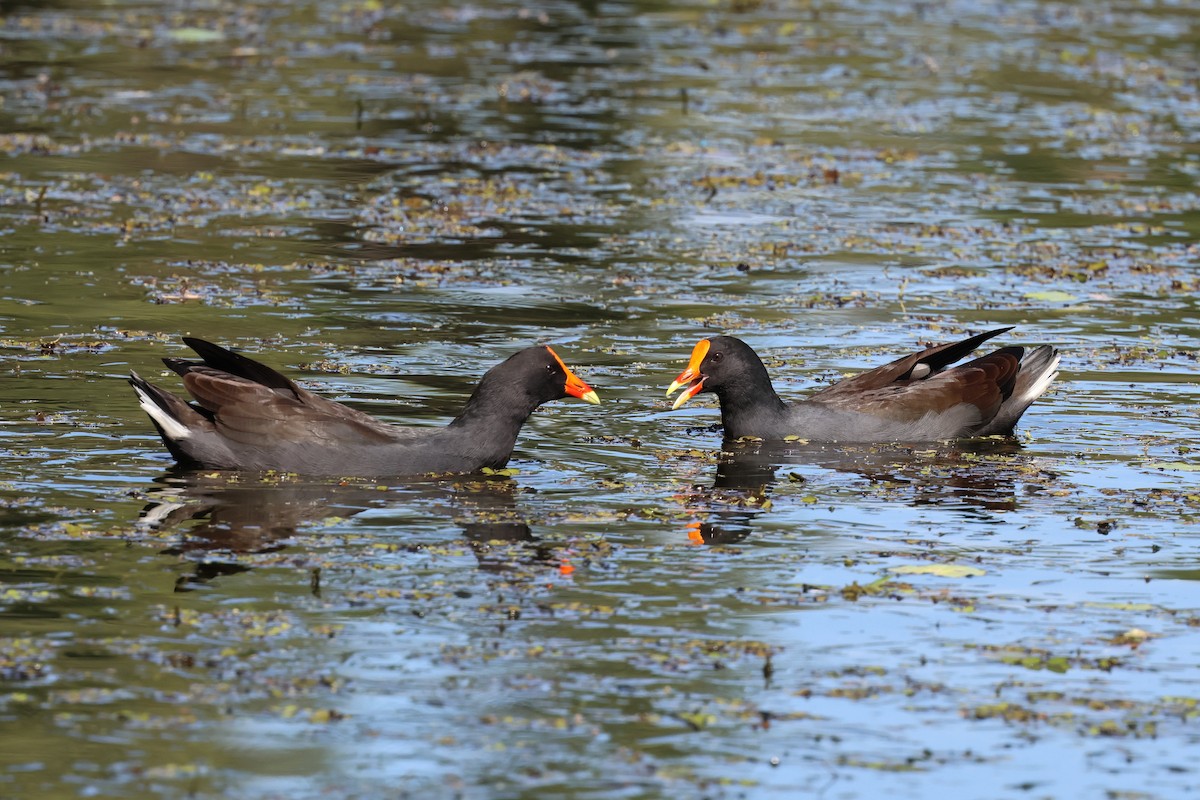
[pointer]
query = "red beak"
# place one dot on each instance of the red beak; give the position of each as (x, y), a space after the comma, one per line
(574, 386)
(691, 377)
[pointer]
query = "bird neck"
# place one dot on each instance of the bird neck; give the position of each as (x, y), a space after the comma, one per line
(496, 410)
(750, 407)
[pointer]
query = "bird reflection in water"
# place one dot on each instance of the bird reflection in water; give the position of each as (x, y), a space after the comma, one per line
(977, 476)
(222, 512)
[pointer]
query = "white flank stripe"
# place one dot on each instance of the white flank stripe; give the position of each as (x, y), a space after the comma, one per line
(172, 427)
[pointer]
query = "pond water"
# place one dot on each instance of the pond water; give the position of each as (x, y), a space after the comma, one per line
(383, 201)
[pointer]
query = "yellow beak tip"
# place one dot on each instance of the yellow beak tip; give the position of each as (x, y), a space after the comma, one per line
(683, 398)
(591, 397)
(671, 389)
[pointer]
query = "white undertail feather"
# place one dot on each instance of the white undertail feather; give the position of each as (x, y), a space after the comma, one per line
(172, 428)
(1043, 381)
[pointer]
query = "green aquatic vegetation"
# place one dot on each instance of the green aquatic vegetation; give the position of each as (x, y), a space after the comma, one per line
(1040, 659)
(1088, 717)
(938, 570)
(24, 659)
(399, 192)
(1177, 466)
(882, 588)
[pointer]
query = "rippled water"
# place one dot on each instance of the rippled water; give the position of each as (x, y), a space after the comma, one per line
(384, 201)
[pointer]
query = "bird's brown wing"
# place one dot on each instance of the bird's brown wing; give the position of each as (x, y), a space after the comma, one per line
(254, 413)
(983, 383)
(917, 366)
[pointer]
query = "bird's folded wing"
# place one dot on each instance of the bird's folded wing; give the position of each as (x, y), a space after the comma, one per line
(982, 383)
(913, 367)
(252, 413)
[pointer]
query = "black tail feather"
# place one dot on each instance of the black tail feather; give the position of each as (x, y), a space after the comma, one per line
(180, 366)
(218, 357)
(944, 358)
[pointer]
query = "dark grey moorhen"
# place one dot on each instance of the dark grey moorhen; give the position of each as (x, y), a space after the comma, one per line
(916, 398)
(248, 416)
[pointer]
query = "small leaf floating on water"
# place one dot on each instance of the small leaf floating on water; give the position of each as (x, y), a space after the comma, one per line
(193, 35)
(1132, 638)
(323, 716)
(697, 721)
(940, 570)
(1175, 466)
(1051, 297)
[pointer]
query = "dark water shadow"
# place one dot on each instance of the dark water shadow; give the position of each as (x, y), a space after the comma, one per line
(225, 512)
(977, 476)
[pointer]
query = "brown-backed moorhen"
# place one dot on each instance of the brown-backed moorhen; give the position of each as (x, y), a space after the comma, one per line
(917, 398)
(247, 416)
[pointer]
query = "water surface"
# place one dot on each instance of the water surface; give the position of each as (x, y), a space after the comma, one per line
(383, 201)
